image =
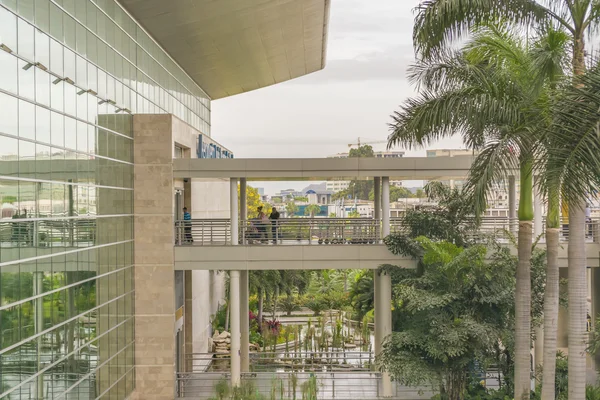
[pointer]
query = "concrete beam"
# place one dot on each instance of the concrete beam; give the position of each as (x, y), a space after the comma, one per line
(409, 168)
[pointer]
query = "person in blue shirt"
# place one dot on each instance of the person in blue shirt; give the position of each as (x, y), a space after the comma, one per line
(187, 217)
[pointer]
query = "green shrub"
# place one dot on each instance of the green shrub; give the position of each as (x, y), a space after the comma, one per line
(592, 392)
(316, 304)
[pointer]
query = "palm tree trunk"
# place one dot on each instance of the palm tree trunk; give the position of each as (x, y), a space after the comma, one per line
(577, 301)
(577, 288)
(523, 289)
(551, 295)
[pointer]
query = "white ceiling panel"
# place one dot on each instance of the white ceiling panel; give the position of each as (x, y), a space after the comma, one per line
(234, 46)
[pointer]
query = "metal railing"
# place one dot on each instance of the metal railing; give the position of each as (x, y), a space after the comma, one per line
(295, 385)
(73, 232)
(337, 231)
(291, 360)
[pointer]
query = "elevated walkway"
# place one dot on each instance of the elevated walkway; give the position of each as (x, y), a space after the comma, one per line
(275, 257)
(286, 169)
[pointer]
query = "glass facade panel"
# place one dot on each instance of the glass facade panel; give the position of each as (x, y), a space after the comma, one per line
(77, 72)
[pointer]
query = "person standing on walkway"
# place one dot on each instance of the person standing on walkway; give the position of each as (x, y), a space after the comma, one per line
(187, 221)
(262, 225)
(274, 217)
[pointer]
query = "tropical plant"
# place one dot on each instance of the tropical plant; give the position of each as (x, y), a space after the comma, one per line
(312, 210)
(358, 188)
(289, 304)
(362, 293)
(291, 208)
(503, 115)
(441, 22)
(500, 348)
(315, 303)
(452, 314)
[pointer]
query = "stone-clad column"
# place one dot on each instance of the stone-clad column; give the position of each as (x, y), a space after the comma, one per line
(153, 257)
(245, 321)
(377, 205)
(385, 206)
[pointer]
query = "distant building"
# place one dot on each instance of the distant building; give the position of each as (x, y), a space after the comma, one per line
(317, 193)
(378, 154)
(338, 186)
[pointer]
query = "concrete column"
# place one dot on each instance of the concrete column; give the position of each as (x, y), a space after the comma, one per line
(377, 306)
(243, 206)
(233, 200)
(377, 205)
(538, 211)
(153, 257)
(377, 194)
(383, 321)
(188, 321)
(39, 327)
(595, 308)
(234, 315)
(385, 206)
(512, 203)
(245, 321)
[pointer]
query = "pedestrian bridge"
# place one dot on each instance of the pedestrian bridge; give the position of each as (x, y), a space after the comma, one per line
(320, 243)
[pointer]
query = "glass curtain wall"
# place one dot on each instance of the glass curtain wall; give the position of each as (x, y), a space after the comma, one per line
(72, 72)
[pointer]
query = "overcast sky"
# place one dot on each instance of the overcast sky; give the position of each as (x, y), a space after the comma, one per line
(364, 81)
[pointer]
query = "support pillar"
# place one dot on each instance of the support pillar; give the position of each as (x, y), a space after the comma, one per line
(377, 306)
(243, 207)
(39, 327)
(234, 290)
(385, 206)
(512, 204)
(538, 211)
(233, 211)
(377, 206)
(595, 309)
(383, 322)
(245, 321)
(234, 315)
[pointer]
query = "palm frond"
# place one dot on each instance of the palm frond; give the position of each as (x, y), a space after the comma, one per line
(491, 166)
(439, 22)
(574, 137)
(430, 117)
(550, 54)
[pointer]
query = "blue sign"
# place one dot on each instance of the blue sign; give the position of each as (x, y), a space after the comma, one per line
(207, 148)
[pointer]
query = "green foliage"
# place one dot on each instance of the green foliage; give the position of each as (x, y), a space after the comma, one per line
(316, 303)
(592, 392)
(310, 388)
(291, 208)
(561, 381)
(301, 199)
(312, 210)
(354, 214)
(362, 293)
(452, 219)
(457, 309)
(358, 189)
(9, 199)
(219, 318)
(246, 391)
(289, 304)
(396, 194)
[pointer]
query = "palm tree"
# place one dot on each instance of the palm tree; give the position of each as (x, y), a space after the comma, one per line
(441, 22)
(574, 161)
(493, 93)
(312, 210)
